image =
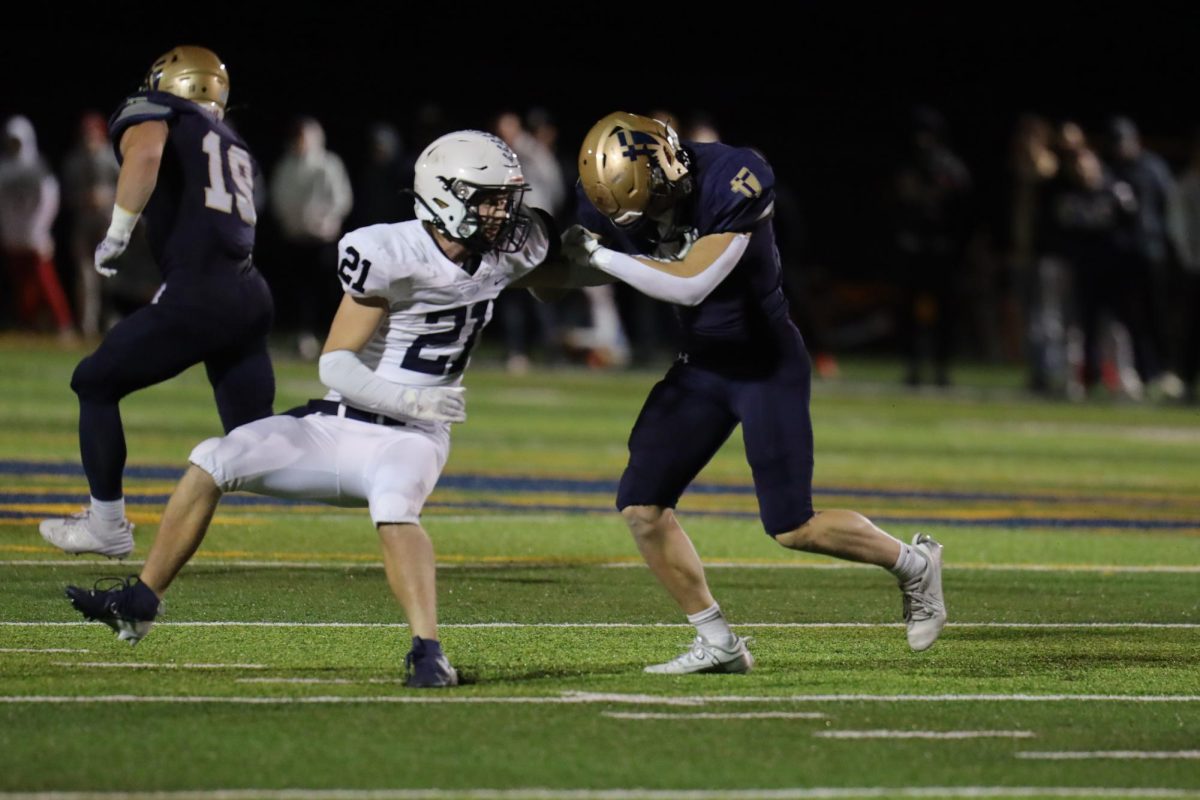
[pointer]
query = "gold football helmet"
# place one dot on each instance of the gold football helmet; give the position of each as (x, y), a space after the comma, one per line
(193, 73)
(633, 166)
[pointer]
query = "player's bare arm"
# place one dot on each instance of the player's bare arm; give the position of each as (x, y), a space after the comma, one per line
(355, 323)
(142, 148)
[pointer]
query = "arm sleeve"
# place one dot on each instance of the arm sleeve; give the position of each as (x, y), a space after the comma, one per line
(342, 371)
(661, 285)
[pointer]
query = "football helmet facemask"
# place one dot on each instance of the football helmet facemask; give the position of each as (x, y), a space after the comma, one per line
(633, 167)
(193, 73)
(469, 185)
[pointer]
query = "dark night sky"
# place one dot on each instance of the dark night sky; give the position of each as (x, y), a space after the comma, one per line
(824, 96)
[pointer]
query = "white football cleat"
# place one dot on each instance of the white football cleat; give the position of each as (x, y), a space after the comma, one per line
(924, 605)
(83, 533)
(703, 656)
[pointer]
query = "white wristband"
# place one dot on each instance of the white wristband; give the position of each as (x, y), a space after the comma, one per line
(122, 224)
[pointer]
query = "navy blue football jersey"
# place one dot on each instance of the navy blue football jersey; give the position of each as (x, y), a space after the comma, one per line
(200, 219)
(732, 192)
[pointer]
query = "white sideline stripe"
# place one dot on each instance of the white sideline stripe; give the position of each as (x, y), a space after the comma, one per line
(880, 734)
(538, 793)
(954, 567)
(622, 625)
(581, 698)
(42, 650)
(1068, 755)
(313, 700)
(148, 665)
(704, 715)
(518, 563)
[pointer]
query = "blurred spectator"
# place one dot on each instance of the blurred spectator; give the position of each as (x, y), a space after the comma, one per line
(529, 325)
(546, 188)
(669, 118)
(1094, 228)
(428, 123)
(311, 197)
(542, 126)
(599, 337)
(90, 184)
(1184, 221)
(700, 127)
(28, 207)
(932, 190)
(379, 191)
(1153, 188)
(1032, 166)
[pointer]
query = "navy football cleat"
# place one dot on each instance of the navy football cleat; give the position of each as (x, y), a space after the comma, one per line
(126, 605)
(426, 666)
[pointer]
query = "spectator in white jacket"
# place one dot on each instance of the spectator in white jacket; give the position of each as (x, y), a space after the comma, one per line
(310, 197)
(28, 207)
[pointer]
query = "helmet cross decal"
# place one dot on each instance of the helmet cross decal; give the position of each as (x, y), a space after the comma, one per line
(636, 143)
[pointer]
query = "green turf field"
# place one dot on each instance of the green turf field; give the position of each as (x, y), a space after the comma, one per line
(1070, 667)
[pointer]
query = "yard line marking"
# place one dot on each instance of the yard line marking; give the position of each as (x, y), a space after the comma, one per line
(308, 700)
(884, 734)
(1068, 755)
(612, 697)
(585, 698)
(539, 793)
(42, 650)
(745, 715)
(964, 567)
(372, 562)
(622, 625)
(147, 665)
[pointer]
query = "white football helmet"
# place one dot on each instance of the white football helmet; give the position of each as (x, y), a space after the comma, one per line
(463, 171)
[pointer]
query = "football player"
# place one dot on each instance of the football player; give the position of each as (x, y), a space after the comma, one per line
(691, 224)
(417, 294)
(192, 178)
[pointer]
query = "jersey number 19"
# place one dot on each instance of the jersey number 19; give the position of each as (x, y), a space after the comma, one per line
(241, 169)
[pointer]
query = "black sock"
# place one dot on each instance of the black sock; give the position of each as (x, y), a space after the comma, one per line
(143, 602)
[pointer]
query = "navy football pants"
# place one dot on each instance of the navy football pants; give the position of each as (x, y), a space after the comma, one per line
(157, 342)
(692, 411)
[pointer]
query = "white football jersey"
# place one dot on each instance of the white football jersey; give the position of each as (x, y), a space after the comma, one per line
(436, 310)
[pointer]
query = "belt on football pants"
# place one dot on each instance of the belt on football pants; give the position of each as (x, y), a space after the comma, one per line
(335, 409)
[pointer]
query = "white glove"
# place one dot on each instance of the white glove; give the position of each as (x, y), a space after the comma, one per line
(106, 252)
(434, 403)
(115, 241)
(579, 245)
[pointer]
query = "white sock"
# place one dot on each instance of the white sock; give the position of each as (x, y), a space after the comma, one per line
(910, 564)
(110, 512)
(711, 625)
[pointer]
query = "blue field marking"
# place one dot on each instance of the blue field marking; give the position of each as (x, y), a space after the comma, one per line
(518, 484)
(551, 508)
